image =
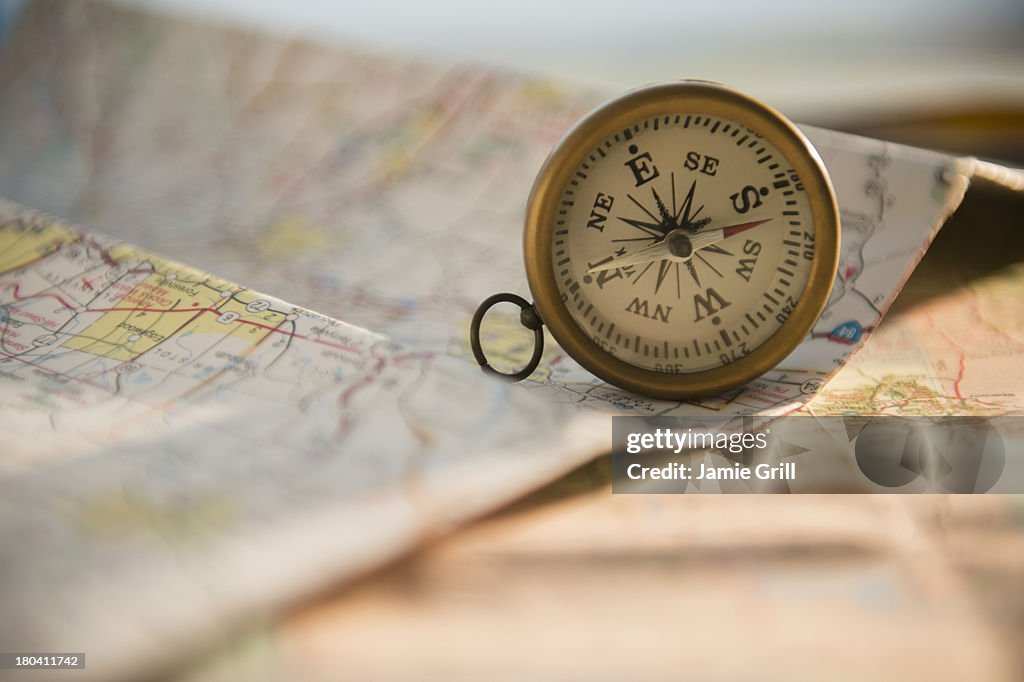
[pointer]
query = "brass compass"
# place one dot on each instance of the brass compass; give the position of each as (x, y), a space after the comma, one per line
(680, 240)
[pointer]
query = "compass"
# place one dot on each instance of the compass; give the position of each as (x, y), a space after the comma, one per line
(680, 240)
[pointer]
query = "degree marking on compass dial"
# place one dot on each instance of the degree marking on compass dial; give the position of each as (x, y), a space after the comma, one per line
(691, 238)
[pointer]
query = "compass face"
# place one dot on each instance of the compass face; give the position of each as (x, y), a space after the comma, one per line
(690, 233)
(688, 174)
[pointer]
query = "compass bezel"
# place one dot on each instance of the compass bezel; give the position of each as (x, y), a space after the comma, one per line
(683, 97)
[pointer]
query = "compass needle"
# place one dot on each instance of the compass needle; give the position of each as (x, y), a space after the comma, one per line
(648, 254)
(706, 238)
(692, 175)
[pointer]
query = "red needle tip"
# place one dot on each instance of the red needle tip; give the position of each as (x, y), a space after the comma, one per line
(742, 227)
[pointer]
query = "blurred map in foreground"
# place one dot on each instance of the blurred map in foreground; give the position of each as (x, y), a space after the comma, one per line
(378, 191)
(220, 449)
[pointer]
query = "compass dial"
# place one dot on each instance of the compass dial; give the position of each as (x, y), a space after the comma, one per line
(684, 231)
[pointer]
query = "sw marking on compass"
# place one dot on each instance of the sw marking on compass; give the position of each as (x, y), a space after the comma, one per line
(677, 236)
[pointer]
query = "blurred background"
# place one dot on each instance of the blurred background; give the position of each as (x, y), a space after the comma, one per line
(816, 58)
(934, 62)
(820, 61)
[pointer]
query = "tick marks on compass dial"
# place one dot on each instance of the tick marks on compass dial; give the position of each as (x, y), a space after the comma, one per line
(682, 242)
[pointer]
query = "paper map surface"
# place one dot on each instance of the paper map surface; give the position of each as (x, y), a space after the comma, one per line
(383, 192)
(159, 423)
(168, 429)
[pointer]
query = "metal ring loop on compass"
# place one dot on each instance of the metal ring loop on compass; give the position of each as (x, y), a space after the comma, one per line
(528, 317)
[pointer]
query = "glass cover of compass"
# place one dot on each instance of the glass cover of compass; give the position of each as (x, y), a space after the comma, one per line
(681, 240)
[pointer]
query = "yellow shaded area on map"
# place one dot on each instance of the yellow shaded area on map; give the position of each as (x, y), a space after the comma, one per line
(21, 245)
(165, 267)
(175, 301)
(119, 512)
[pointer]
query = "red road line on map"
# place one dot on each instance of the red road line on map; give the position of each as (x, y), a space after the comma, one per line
(151, 310)
(300, 336)
(214, 310)
(332, 345)
(105, 254)
(959, 377)
(177, 310)
(365, 380)
(17, 297)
